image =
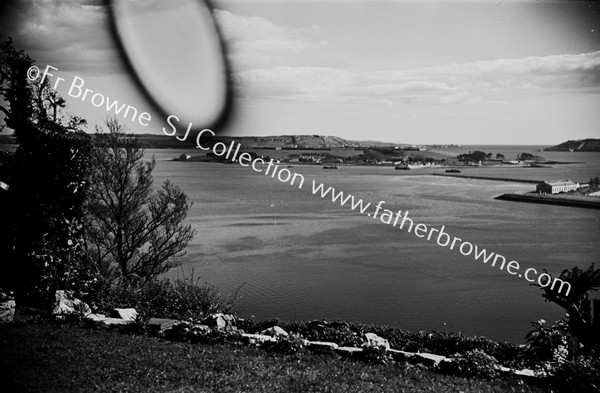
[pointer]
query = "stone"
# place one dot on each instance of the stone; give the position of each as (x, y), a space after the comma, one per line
(216, 321)
(348, 351)
(128, 314)
(201, 327)
(529, 373)
(161, 324)
(116, 321)
(230, 319)
(274, 331)
(65, 303)
(96, 317)
(323, 345)
(373, 340)
(400, 356)
(257, 338)
(7, 311)
(429, 357)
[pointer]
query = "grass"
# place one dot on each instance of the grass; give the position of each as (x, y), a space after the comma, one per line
(59, 358)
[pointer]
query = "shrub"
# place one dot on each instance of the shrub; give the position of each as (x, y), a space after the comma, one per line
(475, 363)
(179, 299)
(377, 355)
(188, 332)
(549, 343)
(290, 344)
(581, 375)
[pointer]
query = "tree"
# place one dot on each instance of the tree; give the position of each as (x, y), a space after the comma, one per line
(132, 231)
(579, 305)
(46, 176)
(15, 87)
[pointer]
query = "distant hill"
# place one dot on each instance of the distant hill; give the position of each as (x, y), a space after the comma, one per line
(161, 141)
(249, 142)
(578, 145)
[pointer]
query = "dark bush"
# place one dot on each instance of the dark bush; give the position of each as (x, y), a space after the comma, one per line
(377, 355)
(288, 345)
(473, 364)
(581, 375)
(179, 299)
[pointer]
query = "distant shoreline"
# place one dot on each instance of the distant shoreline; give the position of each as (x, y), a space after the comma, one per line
(491, 178)
(560, 200)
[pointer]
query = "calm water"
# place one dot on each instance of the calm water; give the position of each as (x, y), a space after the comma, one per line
(299, 256)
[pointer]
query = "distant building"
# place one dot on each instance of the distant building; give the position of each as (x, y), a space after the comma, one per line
(556, 186)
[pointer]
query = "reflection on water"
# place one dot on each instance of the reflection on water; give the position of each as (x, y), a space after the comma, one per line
(302, 257)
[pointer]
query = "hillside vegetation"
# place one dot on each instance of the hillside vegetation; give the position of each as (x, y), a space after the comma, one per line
(578, 145)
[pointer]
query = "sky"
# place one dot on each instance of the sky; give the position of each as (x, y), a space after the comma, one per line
(418, 72)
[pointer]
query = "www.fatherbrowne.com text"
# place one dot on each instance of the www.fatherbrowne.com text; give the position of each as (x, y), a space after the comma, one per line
(399, 219)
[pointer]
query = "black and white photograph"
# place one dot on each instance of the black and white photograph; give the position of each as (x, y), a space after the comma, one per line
(300, 196)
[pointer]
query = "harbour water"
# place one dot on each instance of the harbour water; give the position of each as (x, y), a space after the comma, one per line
(298, 256)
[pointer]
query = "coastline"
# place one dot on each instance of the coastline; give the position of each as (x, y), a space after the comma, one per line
(509, 180)
(551, 200)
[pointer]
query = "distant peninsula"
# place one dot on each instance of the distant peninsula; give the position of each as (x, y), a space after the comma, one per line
(285, 142)
(578, 145)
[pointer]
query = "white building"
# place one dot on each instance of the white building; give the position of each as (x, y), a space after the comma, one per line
(556, 186)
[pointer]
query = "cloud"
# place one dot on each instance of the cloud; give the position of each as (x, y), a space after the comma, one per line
(494, 80)
(255, 41)
(72, 36)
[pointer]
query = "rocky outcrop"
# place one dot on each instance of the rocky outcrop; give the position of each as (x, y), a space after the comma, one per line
(7, 308)
(373, 340)
(66, 303)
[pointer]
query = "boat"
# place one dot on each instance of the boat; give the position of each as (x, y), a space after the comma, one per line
(404, 167)
(330, 167)
(453, 170)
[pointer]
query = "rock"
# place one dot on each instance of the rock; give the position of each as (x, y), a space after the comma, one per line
(529, 373)
(323, 345)
(436, 358)
(128, 314)
(161, 324)
(374, 340)
(220, 320)
(348, 351)
(230, 319)
(274, 331)
(65, 303)
(116, 321)
(215, 321)
(257, 338)
(7, 311)
(96, 317)
(400, 356)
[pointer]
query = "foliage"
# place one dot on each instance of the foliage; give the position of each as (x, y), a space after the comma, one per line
(474, 156)
(377, 355)
(132, 231)
(290, 344)
(529, 157)
(578, 304)
(581, 375)
(182, 299)
(47, 186)
(549, 343)
(15, 87)
(196, 334)
(472, 364)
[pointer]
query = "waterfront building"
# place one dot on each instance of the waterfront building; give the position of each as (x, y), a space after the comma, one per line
(556, 186)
